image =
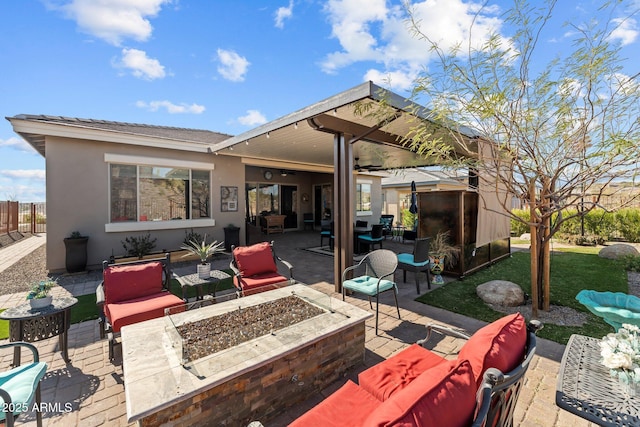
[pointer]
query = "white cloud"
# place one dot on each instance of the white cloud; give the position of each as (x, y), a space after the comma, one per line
(394, 80)
(369, 31)
(18, 144)
(232, 66)
(114, 20)
(284, 13)
(252, 118)
(141, 65)
(171, 107)
(626, 30)
(25, 174)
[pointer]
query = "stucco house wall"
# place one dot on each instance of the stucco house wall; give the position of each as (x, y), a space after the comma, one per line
(77, 176)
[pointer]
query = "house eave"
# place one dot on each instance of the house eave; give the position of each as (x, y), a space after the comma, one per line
(35, 133)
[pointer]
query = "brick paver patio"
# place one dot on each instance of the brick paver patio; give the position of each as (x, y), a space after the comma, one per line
(89, 391)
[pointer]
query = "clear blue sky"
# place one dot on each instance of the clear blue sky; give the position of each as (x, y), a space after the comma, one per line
(226, 66)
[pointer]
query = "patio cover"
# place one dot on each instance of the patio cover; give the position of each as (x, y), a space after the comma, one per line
(329, 135)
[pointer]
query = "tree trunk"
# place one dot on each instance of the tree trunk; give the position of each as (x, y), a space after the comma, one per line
(540, 251)
(534, 251)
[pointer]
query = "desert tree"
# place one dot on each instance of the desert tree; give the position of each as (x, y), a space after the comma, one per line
(553, 134)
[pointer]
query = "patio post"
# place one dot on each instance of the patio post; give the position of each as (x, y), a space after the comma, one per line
(343, 207)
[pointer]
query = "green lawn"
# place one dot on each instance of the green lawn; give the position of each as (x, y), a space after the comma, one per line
(86, 307)
(572, 270)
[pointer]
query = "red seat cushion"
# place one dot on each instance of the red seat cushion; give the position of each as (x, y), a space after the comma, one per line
(255, 259)
(444, 395)
(258, 283)
(395, 373)
(500, 345)
(125, 282)
(350, 405)
(140, 309)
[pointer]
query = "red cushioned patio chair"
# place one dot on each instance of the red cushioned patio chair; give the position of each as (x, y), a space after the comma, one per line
(255, 269)
(133, 292)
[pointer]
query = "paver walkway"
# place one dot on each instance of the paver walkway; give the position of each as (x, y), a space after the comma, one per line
(92, 387)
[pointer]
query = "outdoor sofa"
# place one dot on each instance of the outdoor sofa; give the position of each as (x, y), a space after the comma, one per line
(417, 387)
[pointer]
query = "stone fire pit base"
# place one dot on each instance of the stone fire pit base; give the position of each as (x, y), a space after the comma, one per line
(255, 381)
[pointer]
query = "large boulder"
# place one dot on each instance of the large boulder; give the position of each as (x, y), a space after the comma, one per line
(501, 292)
(617, 250)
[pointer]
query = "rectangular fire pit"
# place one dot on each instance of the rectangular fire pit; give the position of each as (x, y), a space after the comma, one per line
(254, 380)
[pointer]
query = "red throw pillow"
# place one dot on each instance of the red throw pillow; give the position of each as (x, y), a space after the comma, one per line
(255, 259)
(500, 345)
(125, 282)
(444, 395)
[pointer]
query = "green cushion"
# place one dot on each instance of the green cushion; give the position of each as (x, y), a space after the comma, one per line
(21, 384)
(368, 285)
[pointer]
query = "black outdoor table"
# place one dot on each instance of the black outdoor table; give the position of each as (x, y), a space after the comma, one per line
(36, 324)
(586, 388)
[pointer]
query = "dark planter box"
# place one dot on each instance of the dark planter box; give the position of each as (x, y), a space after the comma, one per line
(231, 237)
(76, 254)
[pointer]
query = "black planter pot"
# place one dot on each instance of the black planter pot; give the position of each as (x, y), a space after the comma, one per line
(231, 237)
(76, 254)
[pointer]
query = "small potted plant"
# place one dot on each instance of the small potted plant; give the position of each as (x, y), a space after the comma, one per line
(38, 295)
(441, 251)
(76, 252)
(203, 250)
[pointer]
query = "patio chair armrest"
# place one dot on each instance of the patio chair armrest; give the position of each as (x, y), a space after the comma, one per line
(100, 295)
(34, 350)
(236, 273)
(491, 378)
(534, 326)
(443, 330)
(288, 265)
(233, 268)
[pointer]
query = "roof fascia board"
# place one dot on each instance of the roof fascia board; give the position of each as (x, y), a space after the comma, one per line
(76, 132)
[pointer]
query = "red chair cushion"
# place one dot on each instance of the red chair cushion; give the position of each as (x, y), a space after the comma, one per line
(350, 405)
(500, 345)
(444, 395)
(395, 373)
(258, 283)
(125, 282)
(140, 309)
(255, 259)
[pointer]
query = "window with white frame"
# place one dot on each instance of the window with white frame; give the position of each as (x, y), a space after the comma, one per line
(363, 197)
(158, 193)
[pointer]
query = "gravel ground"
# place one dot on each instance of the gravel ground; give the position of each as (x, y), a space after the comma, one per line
(20, 276)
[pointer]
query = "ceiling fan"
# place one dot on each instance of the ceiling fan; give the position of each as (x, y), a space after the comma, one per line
(368, 168)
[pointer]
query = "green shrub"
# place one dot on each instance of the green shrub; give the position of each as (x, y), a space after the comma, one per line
(408, 219)
(518, 228)
(191, 236)
(139, 246)
(40, 219)
(628, 224)
(586, 240)
(631, 262)
(600, 223)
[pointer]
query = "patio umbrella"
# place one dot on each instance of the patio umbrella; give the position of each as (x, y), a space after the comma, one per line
(414, 199)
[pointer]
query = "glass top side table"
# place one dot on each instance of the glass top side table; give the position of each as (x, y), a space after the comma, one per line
(36, 324)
